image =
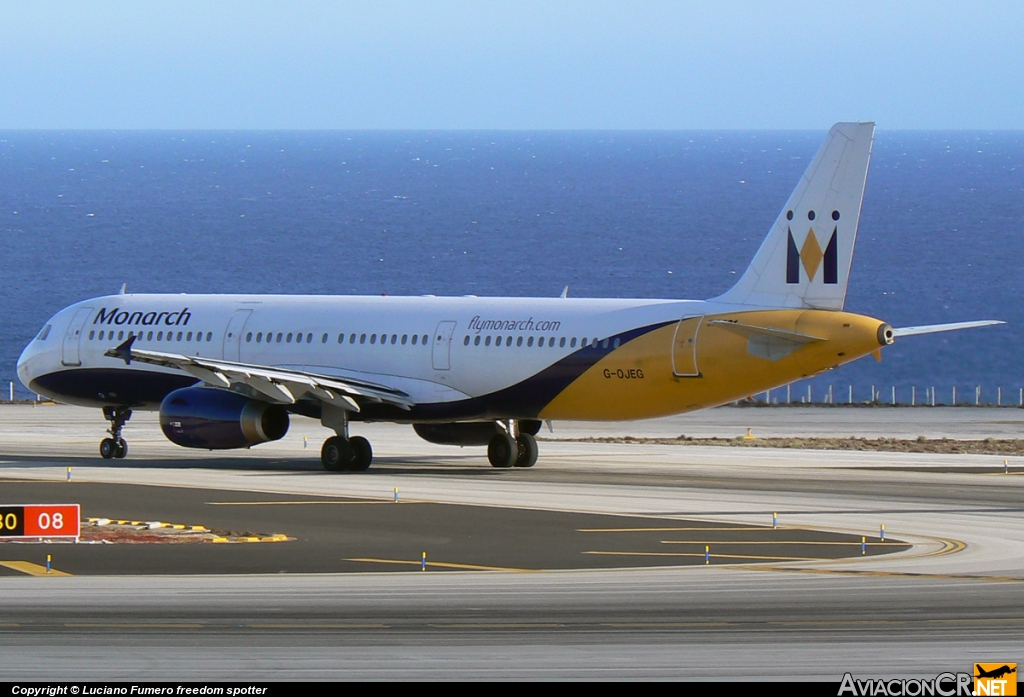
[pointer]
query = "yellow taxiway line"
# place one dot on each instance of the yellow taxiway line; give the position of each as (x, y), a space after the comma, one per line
(27, 567)
(442, 564)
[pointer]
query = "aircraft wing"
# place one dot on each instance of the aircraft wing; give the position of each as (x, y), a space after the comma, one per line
(276, 385)
(934, 328)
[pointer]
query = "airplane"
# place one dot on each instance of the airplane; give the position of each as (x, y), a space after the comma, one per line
(228, 371)
(994, 673)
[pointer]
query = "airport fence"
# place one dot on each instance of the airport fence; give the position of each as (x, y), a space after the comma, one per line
(892, 396)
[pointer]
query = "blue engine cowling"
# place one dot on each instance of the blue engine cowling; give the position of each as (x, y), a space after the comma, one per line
(205, 417)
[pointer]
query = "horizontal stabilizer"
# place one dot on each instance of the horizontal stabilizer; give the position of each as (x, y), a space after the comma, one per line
(766, 342)
(936, 328)
(749, 330)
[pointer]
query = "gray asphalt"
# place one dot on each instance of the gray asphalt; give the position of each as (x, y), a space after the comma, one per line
(669, 623)
(952, 599)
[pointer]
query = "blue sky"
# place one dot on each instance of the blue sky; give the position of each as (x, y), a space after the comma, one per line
(511, 65)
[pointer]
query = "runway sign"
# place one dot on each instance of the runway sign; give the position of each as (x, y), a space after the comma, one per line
(41, 520)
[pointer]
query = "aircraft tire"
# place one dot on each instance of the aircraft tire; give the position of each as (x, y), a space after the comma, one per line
(362, 454)
(121, 449)
(108, 447)
(502, 451)
(336, 454)
(527, 450)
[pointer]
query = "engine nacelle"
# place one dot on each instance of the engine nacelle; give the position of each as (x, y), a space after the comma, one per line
(468, 432)
(213, 419)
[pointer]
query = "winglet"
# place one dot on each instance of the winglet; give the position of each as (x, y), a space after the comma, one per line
(124, 351)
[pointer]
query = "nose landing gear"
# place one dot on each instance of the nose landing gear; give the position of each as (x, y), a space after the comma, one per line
(116, 446)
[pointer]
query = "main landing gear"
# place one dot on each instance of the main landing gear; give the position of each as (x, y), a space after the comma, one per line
(341, 453)
(511, 447)
(346, 454)
(115, 447)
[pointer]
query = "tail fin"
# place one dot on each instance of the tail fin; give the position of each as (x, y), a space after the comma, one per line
(805, 260)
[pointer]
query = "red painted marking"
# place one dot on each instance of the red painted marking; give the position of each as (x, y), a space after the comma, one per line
(62, 520)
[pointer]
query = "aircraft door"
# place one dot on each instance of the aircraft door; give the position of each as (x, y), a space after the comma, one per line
(233, 335)
(70, 354)
(441, 354)
(684, 347)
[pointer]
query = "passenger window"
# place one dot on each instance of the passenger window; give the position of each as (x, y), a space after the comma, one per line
(394, 339)
(373, 338)
(92, 334)
(179, 336)
(615, 344)
(209, 336)
(487, 341)
(424, 340)
(279, 337)
(476, 341)
(529, 341)
(352, 339)
(188, 337)
(465, 342)
(572, 343)
(415, 339)
(362, 338)
(604, 344)
(561, 342)
(120, 335)
(288, 339)
(159, 336)
(149, 336)
(405, 337)
(309, 338)
(341, 338)
(519, 341)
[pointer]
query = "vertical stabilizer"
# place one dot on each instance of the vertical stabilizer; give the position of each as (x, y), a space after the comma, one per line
(805, 260)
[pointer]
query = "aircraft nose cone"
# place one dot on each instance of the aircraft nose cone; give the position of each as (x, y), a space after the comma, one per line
(25, 366)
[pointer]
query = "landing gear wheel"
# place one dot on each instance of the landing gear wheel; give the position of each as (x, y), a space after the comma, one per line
(115, 446)
(527, 450)
(336, 454)
(362, 454)
(502, 451)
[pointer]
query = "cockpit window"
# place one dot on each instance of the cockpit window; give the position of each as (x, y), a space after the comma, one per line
(44, 333)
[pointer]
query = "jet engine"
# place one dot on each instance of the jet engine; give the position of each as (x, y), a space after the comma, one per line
(468, 432)
(214, 419)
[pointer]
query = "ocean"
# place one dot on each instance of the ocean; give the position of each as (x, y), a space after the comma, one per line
(609, 214)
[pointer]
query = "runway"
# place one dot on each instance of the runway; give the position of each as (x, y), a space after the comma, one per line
(949, 598)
